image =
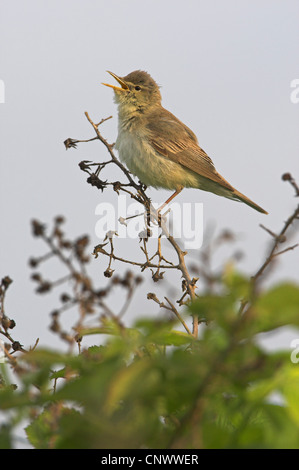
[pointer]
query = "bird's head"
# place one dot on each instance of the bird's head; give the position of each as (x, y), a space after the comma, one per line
(138, 92)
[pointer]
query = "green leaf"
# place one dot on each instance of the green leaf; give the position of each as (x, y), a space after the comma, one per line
(40, 431)
(58, 374)
(5, 437)
(238, 285)
(220, 308)
(290, 391)
(277, 307)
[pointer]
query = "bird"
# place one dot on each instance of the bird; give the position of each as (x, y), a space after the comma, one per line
(159, 149)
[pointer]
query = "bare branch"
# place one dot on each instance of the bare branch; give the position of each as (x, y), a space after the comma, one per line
(154, 217)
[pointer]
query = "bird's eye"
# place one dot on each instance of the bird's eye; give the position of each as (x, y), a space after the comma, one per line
(137, 87)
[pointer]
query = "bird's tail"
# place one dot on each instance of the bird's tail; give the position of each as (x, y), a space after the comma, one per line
(241, 197)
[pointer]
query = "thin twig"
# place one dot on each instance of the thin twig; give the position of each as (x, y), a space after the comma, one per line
(276, 241)
(140, 196)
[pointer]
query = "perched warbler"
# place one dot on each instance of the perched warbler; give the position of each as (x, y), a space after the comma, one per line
(158, 148)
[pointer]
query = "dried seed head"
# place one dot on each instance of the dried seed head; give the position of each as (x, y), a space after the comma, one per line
(16, 346)
(109, 272)
(38, 229)
(286, 177)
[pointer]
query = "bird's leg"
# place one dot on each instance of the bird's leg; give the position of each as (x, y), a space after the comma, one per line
(177, 191)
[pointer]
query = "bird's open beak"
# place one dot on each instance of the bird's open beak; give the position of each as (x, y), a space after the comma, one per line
(123, 84)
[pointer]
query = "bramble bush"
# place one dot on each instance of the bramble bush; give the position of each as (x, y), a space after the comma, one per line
(158, 383)
(153, 386)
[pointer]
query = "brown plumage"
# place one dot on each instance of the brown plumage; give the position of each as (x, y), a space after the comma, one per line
(158, 148)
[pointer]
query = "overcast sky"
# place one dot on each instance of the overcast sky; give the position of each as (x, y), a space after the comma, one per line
(225, 69)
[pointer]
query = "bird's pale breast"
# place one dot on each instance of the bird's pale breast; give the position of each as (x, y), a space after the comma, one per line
(151, 168)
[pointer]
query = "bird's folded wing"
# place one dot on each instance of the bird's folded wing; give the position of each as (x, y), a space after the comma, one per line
(172, 139)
